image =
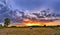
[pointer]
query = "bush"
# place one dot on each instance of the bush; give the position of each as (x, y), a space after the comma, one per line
(13, 26)
(1, 27)
(44, 26)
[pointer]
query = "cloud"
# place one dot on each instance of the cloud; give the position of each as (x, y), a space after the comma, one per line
(28, 7)
(34, 4)
(18, 14)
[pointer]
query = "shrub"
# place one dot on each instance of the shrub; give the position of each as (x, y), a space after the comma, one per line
(13, 26)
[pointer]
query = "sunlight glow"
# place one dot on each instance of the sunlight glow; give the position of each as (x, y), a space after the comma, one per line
(33, 24)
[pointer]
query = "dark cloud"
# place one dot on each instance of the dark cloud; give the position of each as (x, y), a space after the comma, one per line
(32, 4)
(7, 11)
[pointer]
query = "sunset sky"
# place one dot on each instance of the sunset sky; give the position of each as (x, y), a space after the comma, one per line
(15, 9)
(34, 5)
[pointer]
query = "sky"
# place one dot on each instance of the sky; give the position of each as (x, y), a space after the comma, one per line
(54, 5)
(27, 6)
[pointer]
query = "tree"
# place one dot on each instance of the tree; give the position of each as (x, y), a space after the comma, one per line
(44, 25)
(7, 21)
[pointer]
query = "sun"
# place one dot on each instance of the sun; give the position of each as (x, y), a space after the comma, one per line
(29, 22)
(33, 24)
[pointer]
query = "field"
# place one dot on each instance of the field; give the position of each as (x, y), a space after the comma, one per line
(29, 31)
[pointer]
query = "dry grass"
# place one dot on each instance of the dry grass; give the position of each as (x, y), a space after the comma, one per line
(28, 31)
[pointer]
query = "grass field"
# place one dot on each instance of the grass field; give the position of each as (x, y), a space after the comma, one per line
(28, 31)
